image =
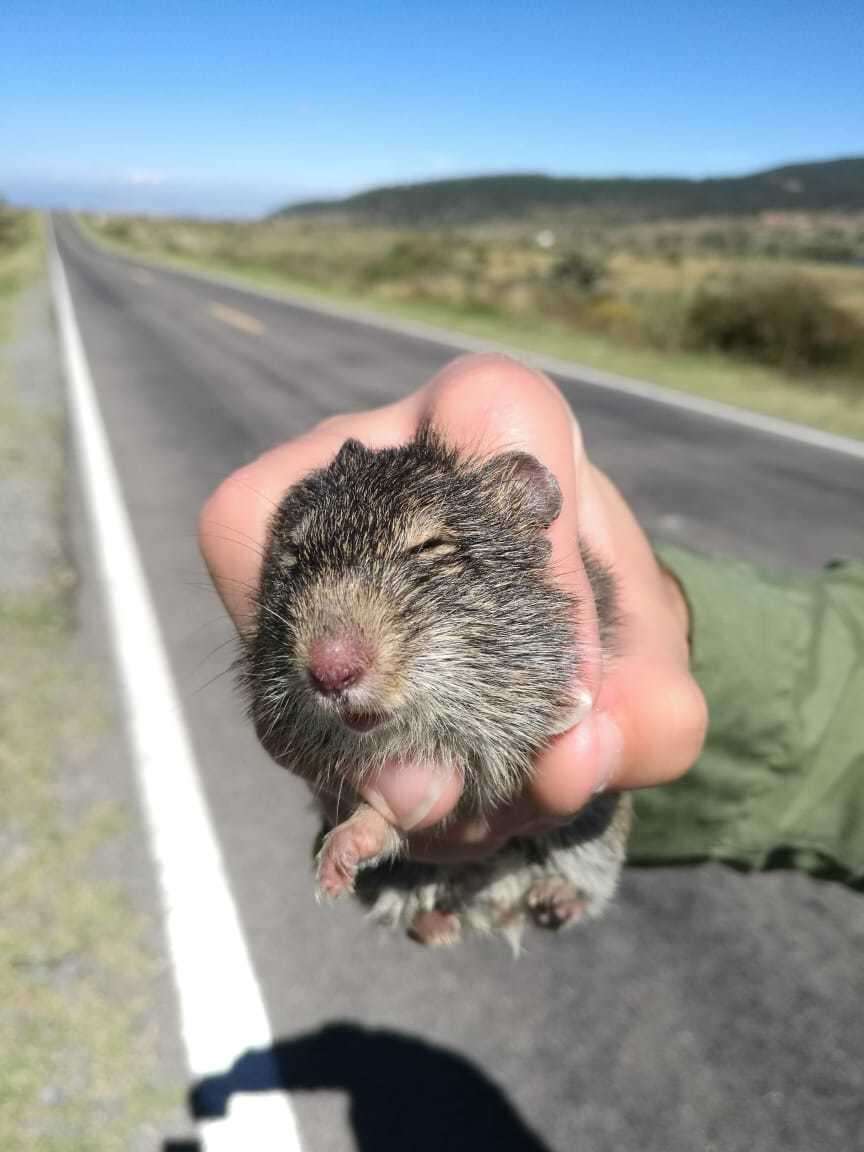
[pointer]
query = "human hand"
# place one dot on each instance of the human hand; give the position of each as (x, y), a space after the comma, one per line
(638, 722)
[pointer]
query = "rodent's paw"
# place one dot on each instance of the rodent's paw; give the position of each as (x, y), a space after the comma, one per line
(336, 873)
(365, 839)
(554, 902)
(436, 928)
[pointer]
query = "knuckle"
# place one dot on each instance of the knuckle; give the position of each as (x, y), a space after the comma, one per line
(514, 403)
(494, 363)
(494, 372)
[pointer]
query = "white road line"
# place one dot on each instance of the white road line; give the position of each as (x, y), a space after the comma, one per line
(222, 1011)
(566, 369)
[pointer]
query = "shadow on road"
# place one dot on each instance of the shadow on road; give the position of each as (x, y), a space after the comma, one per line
(404, 1093)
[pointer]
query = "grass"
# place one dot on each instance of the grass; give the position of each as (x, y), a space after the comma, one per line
(77, 1053)
(20, 257)
(501, 286)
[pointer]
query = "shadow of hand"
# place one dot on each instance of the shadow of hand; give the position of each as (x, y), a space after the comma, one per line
(404, 1092)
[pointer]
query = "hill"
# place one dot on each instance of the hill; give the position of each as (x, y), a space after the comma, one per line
(832, 185)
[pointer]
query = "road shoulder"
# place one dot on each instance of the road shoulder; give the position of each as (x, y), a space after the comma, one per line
(88, 1052)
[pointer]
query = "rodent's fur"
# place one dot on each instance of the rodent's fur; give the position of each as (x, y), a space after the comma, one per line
(439, 563)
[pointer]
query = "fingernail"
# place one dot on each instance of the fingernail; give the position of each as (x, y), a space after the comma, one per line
(412, 792)
(609, 745)
(583, 702)
(424, 807)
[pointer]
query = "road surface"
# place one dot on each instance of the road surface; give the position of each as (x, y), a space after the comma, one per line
(710, 1011)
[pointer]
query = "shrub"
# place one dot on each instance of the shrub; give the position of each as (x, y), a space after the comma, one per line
(407, 258)
(116, 228)
(789, 323)
(579, 271)
(830, 249)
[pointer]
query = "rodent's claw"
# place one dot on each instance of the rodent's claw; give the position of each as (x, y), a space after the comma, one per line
(361, 841)
(336, 874)
(554, 902)
(436, 929)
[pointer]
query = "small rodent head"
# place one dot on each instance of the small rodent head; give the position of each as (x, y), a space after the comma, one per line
(406, 610)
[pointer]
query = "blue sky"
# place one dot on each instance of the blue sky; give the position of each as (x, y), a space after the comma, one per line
(228, 106)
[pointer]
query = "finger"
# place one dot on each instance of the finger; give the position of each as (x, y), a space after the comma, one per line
(413, 794)
(489, 403)
(476, 839)
(232, 529)
(432, 849)
(648, 729)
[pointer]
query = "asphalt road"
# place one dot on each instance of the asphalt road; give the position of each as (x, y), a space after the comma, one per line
(709, 1011)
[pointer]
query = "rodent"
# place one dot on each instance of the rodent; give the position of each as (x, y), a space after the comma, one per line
(406, 610)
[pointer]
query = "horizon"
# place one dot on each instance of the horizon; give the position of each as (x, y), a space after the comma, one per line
(239, 110)
(186, 200)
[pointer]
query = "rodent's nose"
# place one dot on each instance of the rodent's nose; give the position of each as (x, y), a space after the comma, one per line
(336, 663)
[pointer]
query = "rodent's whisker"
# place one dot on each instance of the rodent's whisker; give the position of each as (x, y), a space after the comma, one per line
(255, 491)
(231, 640)
(249, 544)
(209, 683)
(244, 584)
(238, 532)
(198, 584)
(339, 796)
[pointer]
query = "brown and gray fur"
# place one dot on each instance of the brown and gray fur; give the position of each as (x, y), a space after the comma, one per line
(435, 566)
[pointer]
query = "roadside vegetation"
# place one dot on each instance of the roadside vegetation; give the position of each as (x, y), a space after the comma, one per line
(77, 1054)
(18, 259)
(746, 310)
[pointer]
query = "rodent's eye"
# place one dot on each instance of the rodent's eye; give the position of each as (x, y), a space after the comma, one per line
(434, 546)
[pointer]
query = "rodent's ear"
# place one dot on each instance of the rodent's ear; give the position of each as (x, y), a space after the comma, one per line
(349, 451)
(525, 486)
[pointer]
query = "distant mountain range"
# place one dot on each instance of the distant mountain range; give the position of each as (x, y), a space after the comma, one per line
(836, 185)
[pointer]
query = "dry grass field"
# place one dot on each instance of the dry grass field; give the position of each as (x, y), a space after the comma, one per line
(750, 311)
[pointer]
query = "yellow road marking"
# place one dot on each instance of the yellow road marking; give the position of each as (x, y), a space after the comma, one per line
(240, 320)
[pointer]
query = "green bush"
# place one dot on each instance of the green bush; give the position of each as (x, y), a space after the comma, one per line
(579, 271)
(117, 229)
(788, 323)
(407, 258)
(830, 250)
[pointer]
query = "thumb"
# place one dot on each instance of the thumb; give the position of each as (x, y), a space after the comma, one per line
(413, 794)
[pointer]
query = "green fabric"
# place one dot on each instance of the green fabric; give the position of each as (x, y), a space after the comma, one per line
(780, 658)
